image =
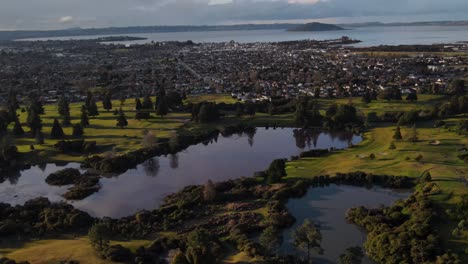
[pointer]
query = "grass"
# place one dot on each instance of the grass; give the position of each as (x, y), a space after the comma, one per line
(55, 250)
(102, 129)
(441, 160)
(425, 101)
(217, 98)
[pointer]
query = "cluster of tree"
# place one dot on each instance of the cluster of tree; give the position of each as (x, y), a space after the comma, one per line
(39, 217)
(402, 233)
(161, 107)
(341, 117)
(276, 171)
(307, 113)
(205, 112)
(201, 248)
(392, 93)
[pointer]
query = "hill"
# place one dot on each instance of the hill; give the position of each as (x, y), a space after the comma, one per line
(316, 27)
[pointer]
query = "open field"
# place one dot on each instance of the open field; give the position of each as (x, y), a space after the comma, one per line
(55, 250)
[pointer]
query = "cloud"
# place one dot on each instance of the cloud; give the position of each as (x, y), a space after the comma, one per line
(66, 19)
(43, 14)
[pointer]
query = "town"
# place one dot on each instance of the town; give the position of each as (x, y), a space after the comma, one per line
(248, 72)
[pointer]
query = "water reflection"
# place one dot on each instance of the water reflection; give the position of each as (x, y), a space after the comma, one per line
(309, 138)
(174, 161)
(144, 187)
(151, 167)
(327, 206)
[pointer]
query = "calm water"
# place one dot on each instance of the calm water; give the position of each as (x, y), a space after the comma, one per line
(327, 206)
(371, 36)
(147, 185)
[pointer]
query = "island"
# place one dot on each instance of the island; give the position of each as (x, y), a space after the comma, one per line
(315, 26)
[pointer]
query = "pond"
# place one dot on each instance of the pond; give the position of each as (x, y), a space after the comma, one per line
(326, 207)
(146, 186)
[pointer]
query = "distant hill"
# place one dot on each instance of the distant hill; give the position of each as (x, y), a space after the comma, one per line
(406, 24)
(315, 26)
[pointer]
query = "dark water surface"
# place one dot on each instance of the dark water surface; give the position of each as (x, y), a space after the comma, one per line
(327, 206)
(145, 186)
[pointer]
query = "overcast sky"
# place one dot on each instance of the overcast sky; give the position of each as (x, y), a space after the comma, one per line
(56, 14)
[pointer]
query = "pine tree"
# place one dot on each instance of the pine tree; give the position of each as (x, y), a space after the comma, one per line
(56, 131)
(162, 108)
(39, 137)
(78, 130)
(18, 129)
(92, 108)
(37, 106)
(397, 135)
(121, 119)
(146, 107)
(107, 101)
(34, 121)
(89, 98)
(138, 108)
(64, 111)
(84, 117)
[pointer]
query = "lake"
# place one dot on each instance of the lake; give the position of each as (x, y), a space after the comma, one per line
(145, 186)
(327, 206)
(370, 36)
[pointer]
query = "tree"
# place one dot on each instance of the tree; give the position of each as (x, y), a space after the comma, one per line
(36, 104)
(78, 130)
(138, 106)
(209, 191)
(412, 97)
(162, 106)
(276, 171)
(239, 109)
(307, 237)
(300, 115)
(146, 107)
(352, 255)
(200, 247)
(397, 135)
(84, 116)
(99, 236)
(121, 119)
(270, 239)
(56, 131)
(107, 101)
(34, 121)
(457, 87)
(92, 108)
(64, 111)
(250, 108)
(39, 137)
(413, 134)
(18, 129)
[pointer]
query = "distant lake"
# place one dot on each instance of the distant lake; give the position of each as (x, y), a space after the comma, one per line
(146, 186)
(371, 36)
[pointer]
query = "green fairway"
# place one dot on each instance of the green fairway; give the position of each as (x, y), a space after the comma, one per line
(102, 129)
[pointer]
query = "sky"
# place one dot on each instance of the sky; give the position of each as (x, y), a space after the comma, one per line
(59, 14)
